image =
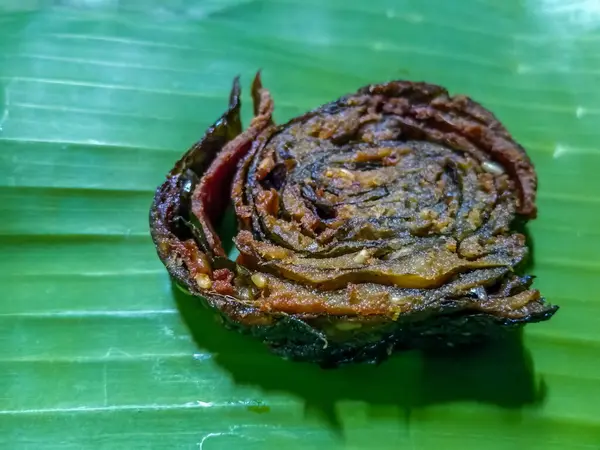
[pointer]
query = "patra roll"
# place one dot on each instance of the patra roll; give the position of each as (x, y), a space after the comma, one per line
(381, 221)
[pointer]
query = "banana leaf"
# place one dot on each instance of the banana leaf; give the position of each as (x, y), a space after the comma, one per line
(98, 99)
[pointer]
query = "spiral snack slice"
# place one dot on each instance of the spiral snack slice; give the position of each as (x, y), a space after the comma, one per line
(378, 222)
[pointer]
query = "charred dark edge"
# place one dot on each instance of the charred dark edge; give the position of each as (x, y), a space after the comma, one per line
(173, 198)
(291, 337)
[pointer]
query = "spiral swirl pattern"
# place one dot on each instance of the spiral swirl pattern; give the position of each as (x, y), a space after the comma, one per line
(383, 209)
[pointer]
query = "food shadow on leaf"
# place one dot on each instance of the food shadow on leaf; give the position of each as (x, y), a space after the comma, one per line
(499, 373)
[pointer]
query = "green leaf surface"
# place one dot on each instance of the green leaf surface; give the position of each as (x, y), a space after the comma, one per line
(97, 101)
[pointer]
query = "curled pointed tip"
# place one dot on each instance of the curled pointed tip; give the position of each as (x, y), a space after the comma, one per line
(256, 88)
(257, 83)
(234, 96)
